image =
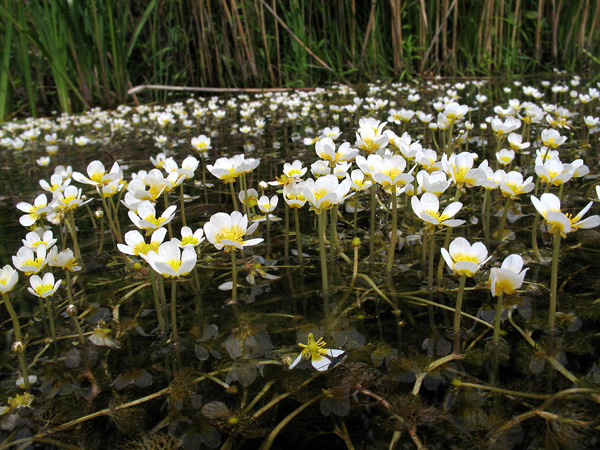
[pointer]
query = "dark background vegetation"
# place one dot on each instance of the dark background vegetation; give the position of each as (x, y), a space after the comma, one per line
(72, 55)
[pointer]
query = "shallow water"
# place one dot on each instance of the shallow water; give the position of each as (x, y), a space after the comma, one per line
(227, 381)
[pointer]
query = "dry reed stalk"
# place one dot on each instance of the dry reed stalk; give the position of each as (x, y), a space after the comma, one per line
(422, 29)
(500, 28)
(444, 32)
(277, 44)
(538, 30)
(286, 28)
(263, 32)
(582, 27)
(437, 34)
(593, 26)
(234, 32)
(517, 23)
(574, 22)
(454, 39)
(243, 34)
(368, 33)
(397, 35)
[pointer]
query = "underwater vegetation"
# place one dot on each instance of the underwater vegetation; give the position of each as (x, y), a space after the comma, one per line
(388, 266)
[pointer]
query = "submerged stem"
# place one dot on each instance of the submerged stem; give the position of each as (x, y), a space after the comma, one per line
(496, 340)
(459, 299)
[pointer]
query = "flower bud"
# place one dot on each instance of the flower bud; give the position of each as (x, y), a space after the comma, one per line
(18, 347)
(99, 214)
(356, 242)
(71, 311)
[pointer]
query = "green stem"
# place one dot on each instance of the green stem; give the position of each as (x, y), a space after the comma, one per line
(553, 289)
(392, 249)
(18, 338)
(496, 340)
(73, 231)
(271, 438)
(157, 305)
(486, 214)
(298, 238)
(232, 191)
(233, 276)
(107, 213)
(182, 205)
(372, 225)
(286, 236)
(323, 254)
(174, 317)
(268, 233)
(503, 220)
(169, 226)
(430, 275)
(459, 299)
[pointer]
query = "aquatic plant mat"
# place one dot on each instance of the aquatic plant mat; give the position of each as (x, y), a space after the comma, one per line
(262, 284)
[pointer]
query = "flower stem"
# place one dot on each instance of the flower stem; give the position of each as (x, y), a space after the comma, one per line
(553, 289)
(169, 226)
(298, 239)
(459, 299)
(268, 233)
(174, 317)
(430, 275)
(372, 228)
(286, 236)
(235, 205)
(233, 276)
(486, 214)
(503, 220)
(271, 438)
(157, 305)
(73, 231)
(18, 338)
(323, 254)
(496, 340)
(182, 205)
(392, 249)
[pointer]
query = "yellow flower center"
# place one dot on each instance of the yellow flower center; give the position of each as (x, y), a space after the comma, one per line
(189, 240)
(33, 263)
(142, 248)
(96, 177)
(43, 288)
(157, 222)
(234, 233)
(174, 263)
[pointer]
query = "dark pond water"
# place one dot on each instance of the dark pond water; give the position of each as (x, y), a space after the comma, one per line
(396, 376)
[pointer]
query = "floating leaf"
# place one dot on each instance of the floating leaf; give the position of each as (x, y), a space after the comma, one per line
(215, 410)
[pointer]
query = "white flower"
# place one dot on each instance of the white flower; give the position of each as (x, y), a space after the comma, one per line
(39, 236)
(34, 212)
(172, 261)
(190, 239)
(201, 144)
(8, 279)
(549, 207)
(97, 174)
(464, 258)
(513, 184)
(293, 194)
(505, 156)
(146, 219)
(64, 259)
(227, 231)
(135, 244)
(266, 204)
(509, 277)
(552, 138)
(427, 209)
(45, 287)
(320, 357)
(326, 192)
(29, 262)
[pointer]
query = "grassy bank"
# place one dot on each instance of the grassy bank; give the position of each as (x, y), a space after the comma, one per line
(60, 54)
